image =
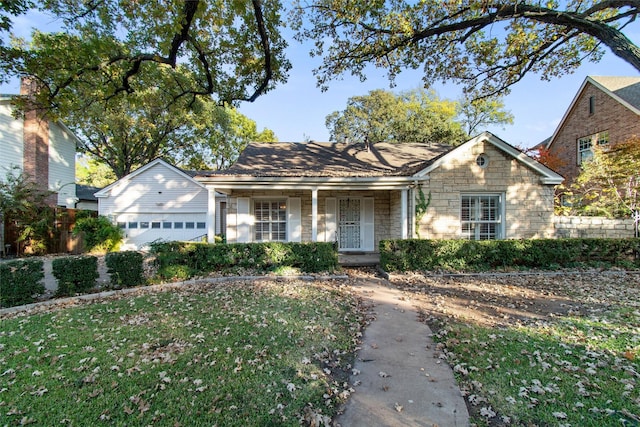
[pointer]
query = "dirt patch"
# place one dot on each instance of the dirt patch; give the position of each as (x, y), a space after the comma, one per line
(504, 300)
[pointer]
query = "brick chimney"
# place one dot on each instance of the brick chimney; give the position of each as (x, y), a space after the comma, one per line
(35, 139)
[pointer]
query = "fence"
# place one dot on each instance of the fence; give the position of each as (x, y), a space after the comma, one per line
(593, 227)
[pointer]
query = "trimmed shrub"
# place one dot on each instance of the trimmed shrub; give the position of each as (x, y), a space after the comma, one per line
(75, 274)
(20, 282)
(99, 234)
(180, 260)
(471, 255)
(125, 268)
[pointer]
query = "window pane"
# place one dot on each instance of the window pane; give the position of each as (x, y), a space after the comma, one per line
(178, 225)
(189, 225)
(155, 224)
(133, 224)
(166, 224)
(144, 224)
(201, 225)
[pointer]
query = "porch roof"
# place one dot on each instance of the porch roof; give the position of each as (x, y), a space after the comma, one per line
(330, 160)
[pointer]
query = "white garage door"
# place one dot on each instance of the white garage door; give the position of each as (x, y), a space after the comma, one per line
(142, 229)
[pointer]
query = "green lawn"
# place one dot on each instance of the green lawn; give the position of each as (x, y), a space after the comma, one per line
(240, 354)
(580, 367)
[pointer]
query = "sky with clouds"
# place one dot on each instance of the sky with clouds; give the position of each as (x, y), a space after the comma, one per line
(296, 111)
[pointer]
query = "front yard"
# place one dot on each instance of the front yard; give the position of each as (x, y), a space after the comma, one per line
(539, 350)
(531, 350)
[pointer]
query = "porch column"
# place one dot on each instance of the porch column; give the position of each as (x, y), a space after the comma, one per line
(404, 213)
(314, 215)
(211, 215)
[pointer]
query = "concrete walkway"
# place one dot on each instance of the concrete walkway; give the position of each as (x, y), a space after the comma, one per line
(401, 379)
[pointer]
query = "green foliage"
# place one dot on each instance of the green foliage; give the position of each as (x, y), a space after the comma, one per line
(75, 274)
(472, 255)
(609, 183)
(220, 134)
(382, 116)
(24, 205)
(224, 50)
(125, 268)
(484, 46)
(91, 172)
(99, 234)
(422, 204)
(20, 282)
(185, 259)
(475, 113)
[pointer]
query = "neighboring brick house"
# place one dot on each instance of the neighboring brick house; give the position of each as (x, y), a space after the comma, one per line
(357, 195)
(605, 110)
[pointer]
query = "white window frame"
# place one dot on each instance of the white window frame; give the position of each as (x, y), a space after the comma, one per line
(471, 225)
(584, 145)
(271, 221)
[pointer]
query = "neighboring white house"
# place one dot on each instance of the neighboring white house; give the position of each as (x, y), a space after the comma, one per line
(44, 150)
(159, 202)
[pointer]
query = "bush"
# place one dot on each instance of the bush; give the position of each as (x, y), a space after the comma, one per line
(180, 260)
(470, 255)
(75, 274)
(125, 268)
(20, 282)
(99, 234)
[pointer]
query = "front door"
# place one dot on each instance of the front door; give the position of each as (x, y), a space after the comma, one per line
(349, 227)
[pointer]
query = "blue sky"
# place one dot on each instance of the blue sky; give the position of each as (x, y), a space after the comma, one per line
(296, 110)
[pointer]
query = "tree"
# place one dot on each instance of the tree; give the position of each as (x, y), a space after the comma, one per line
(609, 183)
(221, 135)
(477, 112)
(413, 116)
(485, 46)
(90, 171)
(232, 50)
(24, 205)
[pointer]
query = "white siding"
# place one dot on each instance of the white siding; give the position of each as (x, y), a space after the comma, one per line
(62, 165)
(158, 194)
(11, 146)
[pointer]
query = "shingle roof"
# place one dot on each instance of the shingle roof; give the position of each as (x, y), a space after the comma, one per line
(331, 159)
(86, 192)
(627, 88)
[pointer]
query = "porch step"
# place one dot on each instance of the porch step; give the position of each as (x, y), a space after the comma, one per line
(358, 259)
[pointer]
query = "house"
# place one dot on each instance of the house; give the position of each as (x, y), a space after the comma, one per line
(44, 150)
(605, 111)
(159, 201)
(86, 199)
(357, 195)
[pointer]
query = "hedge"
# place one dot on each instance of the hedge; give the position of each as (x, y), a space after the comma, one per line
(473, 255)
(20, 282)
(125, 268)
(185, 259)
(75, 274)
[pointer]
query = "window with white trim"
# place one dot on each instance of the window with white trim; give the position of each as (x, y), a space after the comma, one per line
(270, 220)
(585, 152)
(481, 216)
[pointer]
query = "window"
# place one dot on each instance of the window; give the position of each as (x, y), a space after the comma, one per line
(122, 224)
(201, 225)
(270, 220)
(481, 217)
(144, 224)
(155, 224)
(592, 104)
(166, 224)
(178, 225)
(586, 142)
(133, 224)
(482, 160)
(189, 225)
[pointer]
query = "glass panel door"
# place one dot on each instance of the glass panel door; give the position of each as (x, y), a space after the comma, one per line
(349, 223)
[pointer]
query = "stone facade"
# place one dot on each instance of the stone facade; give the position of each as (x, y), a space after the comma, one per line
(528, 204)
(593, 227)
(592, 112)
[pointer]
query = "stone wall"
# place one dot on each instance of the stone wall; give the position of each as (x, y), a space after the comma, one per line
(592, 227)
